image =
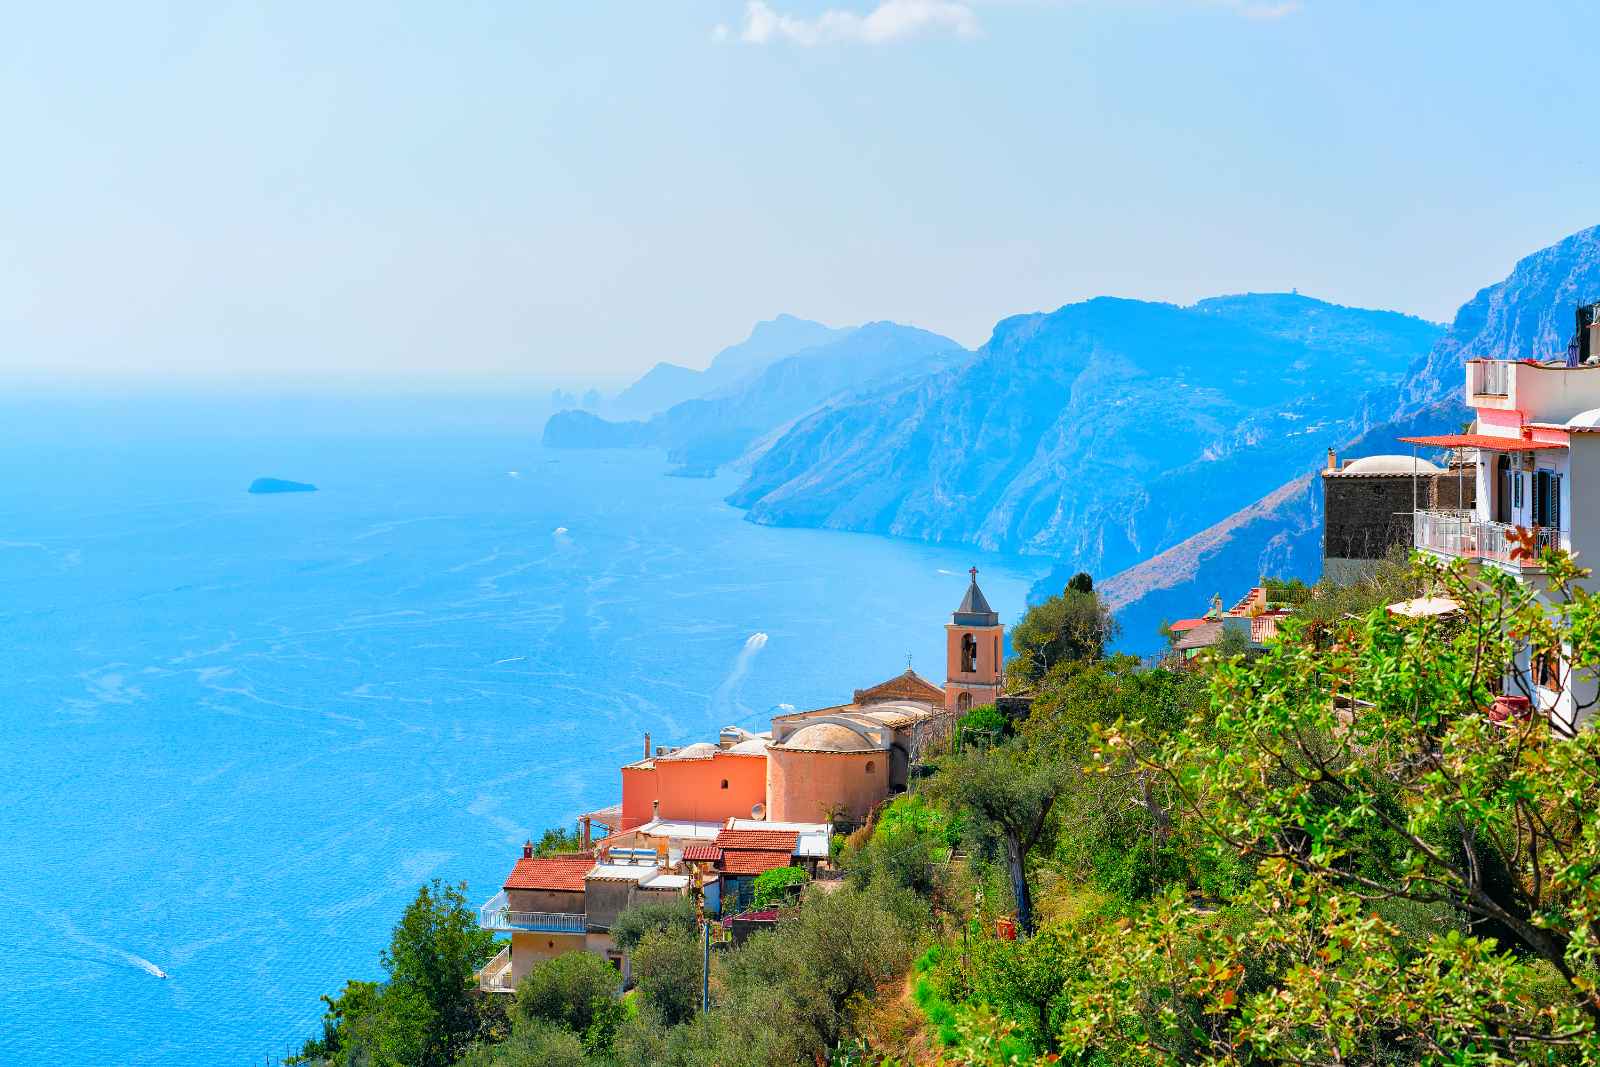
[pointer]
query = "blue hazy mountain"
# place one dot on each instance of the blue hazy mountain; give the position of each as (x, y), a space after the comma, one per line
(1101, 434)
(702, 433)
(280, 485)
(1528, 313)
(667, 384)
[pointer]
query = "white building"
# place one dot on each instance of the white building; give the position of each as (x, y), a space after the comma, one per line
(1537, 448)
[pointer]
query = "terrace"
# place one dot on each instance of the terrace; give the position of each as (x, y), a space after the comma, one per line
(496, 915)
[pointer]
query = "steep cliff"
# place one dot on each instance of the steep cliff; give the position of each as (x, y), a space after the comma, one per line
(667, 384)
(1529, 313)
(1101, 433)
(705, 432)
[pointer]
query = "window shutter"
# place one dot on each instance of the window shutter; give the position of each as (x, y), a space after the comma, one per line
(1555, 501)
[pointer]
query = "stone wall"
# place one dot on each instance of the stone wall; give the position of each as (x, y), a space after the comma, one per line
(1364, 516)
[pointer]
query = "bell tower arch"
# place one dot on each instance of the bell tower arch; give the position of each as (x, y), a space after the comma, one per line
(974, 652)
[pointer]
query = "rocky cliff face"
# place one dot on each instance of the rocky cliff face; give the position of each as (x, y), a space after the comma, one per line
(667, 384)
(702, 433)
(1101, 433)
(1529, 313)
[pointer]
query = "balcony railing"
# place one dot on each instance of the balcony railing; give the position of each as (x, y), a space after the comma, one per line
(495, 976)
(496, 915)
(1492, 377)
(1458, 533)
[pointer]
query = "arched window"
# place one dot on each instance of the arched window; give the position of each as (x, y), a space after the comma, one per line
(871, 766)
(724, 783)
(969, 653)
(964, 702)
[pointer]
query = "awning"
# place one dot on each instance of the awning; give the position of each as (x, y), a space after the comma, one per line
(1425, 607)
(1483, 440)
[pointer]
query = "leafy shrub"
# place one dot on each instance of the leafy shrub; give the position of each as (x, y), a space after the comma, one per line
(631, 926)
(570, 990)
(778, 886)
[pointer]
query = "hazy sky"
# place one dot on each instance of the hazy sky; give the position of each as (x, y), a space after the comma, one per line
(289, 190)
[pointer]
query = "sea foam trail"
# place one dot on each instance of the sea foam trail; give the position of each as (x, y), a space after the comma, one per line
(110, 952)
(724, 699)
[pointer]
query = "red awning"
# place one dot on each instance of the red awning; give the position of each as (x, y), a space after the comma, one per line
(1483, 440)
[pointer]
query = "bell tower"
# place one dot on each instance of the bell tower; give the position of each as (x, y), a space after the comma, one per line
(974, 652)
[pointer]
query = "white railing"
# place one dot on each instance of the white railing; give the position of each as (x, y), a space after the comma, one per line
(1458, 533)
(1493, 378)
(496, 914)
(495, 976)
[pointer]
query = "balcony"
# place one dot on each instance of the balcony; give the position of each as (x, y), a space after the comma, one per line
(1490, 377)
(495, 976)
(1461, 534)
(496, 915)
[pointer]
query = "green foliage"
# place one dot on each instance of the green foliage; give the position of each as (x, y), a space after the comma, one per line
(1286, 591)
(556, 840)
(667, 964)
(675, 916)
(429, 1011)
(1420, 881)
(570, 990)
(781, 885)
(533, 1043)
(911, 837)
(984, 724)
(1080, 583)
(1074, 626)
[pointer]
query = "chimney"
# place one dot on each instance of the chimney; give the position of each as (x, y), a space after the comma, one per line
(1333, 460)
(527, 850)
(647, 744)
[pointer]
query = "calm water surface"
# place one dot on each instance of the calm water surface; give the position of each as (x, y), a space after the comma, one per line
(240, 730)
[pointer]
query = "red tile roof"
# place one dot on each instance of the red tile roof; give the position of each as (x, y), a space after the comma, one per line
(753, 861)
(561, 873)
(1184, 624)
(693, 853)
(766, 840)
(1483, 440)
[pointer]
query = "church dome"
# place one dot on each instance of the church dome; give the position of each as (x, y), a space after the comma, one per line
(1388, 465)
(754, 746)
(828, 737)
(1585, 420)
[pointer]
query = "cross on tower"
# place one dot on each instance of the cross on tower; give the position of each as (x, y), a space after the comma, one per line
(974, 573)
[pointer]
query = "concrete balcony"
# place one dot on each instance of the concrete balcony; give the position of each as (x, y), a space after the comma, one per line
(1460, 534)
(495, 976)
(496, 915)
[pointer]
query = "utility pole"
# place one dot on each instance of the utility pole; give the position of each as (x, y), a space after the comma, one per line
(705, 968)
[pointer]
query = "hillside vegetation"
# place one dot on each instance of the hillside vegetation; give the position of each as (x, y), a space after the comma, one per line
(1326, 853)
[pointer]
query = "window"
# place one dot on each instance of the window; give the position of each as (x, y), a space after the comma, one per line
(1547, 499)
(1502, 489)
(964, 702)
(871, 766)
(724, 783)
(969, 654)
(1547, 669)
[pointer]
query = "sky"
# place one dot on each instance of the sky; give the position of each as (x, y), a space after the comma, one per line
(576, 189)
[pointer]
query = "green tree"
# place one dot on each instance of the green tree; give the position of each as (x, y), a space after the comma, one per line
(556, 840)
(674, 916)
(533, 1043)
(1012, 795)
(1073, 626)
(667, 964)
(570, 990)
(1362, 777)
(429, 1011)
(781, 885)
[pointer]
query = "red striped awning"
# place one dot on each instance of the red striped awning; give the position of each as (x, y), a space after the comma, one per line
(1483, 440)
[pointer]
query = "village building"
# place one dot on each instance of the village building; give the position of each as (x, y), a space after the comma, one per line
(1367, 507)
(711, 817)
(1254, 618)
(1534, 457)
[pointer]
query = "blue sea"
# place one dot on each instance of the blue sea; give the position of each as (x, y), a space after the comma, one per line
(239, 731)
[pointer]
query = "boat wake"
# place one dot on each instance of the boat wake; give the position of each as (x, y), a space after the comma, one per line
(725, 699)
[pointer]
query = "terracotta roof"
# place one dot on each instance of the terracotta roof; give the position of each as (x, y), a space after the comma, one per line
(561, 873)
(693, 853)
(765, 915)
(907, 686)
(1483, 440)
(752, 861)
(1185, 624)
(764, 840)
